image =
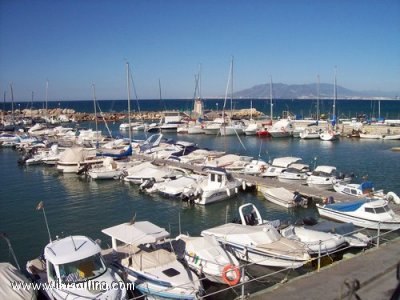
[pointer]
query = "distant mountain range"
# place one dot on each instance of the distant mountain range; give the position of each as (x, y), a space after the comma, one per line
(309, 91)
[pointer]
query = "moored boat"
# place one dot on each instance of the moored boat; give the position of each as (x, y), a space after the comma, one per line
(366, 213)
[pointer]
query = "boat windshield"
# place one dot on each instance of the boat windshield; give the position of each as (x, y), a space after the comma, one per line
(82, 270)
(378, 210)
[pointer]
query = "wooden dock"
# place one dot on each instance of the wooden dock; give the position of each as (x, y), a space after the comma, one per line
(314, 194)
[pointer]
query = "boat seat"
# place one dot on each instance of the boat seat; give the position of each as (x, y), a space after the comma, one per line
(85, 269)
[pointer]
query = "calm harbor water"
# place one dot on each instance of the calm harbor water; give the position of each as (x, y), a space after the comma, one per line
(75, 205)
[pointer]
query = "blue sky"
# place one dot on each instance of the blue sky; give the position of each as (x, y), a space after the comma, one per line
(73, 44)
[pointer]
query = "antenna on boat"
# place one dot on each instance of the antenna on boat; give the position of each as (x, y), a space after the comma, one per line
(179, 222)
(40, 206)
(5, 237)
(133, 220)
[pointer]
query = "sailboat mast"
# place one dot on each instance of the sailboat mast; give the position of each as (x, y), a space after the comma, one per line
(199, 79)
(334, 98)
(129, 102)
(4, 108)
(318, 83)
(232, 88)
(270, 97)
(32, 107)
(12, 104)
(95, 113)
(379, 109)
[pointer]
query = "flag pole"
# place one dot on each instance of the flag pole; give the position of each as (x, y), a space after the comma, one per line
(40, 206)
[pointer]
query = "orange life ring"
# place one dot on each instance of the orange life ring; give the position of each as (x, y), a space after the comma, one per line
(236, 278)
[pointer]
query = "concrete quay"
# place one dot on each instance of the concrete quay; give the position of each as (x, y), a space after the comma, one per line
(373, 272)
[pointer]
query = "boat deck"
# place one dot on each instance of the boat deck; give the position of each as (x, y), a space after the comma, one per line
(375, 270)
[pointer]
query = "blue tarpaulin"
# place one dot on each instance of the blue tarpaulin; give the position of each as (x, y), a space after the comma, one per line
(348, 206)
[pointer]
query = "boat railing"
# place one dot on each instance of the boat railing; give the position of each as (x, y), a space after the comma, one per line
(247, 284)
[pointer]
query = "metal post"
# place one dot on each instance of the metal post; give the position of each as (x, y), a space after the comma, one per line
(319, 256)
(246, 254)
(379, 234)
(243, 283)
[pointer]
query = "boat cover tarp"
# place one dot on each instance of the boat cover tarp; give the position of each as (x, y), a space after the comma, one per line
(150, 260)
(334, 227)
(8, 274)
(367, 186)
(123, 154)
(346, 207)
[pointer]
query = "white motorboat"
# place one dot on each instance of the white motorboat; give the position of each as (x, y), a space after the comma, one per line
(365, 189)
(354, 237)
(323, 177)
(175, 188)
(262, 245)
(295, 173)
(283, 197)
(308, 134)
(200, 156)
(74, 159)
(317, 240)
(370, 136)
(10, 274)
(219, 185)
(328, 135)
(212, 128)
(46, 156)
(391, 137)
(195, 128)
(9, 139)
(251, 128)
(366, 213)
(147, 171)
(278, 165)
(108, 170)
(155, 272)
(232, 128)
(226, 160)
(135, 126)
(255, 167)
(171, 121)
(282, 128)
(71, 263)
(206, 257)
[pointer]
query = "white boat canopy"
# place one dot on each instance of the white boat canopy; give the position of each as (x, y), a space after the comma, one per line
(138, 233)
(69, 249)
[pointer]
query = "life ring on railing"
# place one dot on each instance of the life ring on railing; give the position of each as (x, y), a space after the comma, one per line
(263, 168)
(232, 270)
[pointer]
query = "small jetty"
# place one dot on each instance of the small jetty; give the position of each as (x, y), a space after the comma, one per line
(370, 275)
(266, 182)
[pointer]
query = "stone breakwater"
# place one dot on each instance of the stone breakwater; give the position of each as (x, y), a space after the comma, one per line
(114, 117)
(80, 117)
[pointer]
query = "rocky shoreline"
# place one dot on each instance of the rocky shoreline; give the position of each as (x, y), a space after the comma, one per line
(70, 115)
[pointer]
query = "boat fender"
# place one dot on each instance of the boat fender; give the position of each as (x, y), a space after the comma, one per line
(236, 190)
(228, 192)
(391, 196)
(244, 185)
(231, 275)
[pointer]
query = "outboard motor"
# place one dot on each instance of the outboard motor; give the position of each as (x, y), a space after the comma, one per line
(148, 183)
(83, 169)
(24, 158)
